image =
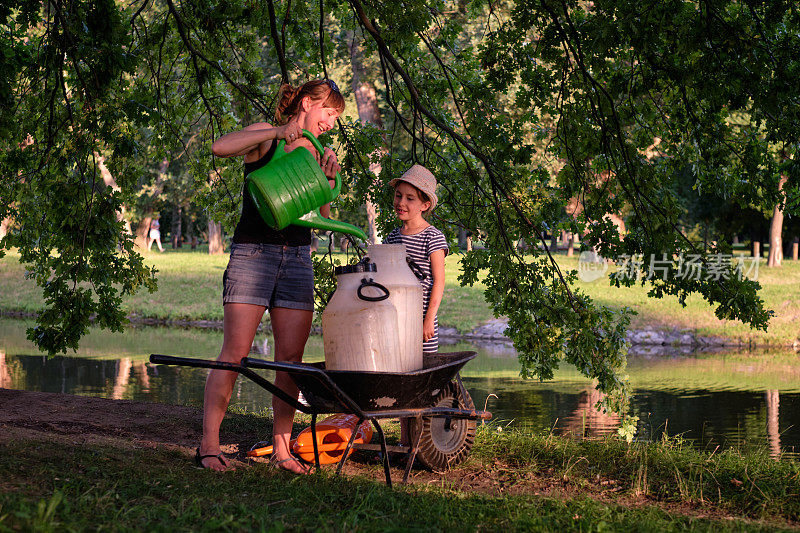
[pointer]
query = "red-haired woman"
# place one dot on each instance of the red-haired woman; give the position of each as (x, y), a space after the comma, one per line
(268, 269)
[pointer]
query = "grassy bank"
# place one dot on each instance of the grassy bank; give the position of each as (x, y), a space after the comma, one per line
(512, 481)
(190, 287)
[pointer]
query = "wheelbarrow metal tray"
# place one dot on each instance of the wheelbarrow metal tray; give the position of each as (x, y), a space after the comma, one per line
(374, 391)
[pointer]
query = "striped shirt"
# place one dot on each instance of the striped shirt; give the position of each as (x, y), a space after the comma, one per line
(419, 248)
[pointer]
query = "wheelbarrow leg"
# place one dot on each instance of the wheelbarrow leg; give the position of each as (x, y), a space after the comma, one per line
(314, 440)
(412, 454)
(349, 446)
(385, 452)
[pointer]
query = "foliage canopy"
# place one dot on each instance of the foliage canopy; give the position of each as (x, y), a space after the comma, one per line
(519, 108)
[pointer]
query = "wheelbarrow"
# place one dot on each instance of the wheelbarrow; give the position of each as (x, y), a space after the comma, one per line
(441, 413)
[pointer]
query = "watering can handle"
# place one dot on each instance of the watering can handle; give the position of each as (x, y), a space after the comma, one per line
(318, 145)
(280, 152)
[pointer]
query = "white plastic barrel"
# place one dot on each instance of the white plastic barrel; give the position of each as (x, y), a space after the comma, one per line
(359, 324)
(405, 294)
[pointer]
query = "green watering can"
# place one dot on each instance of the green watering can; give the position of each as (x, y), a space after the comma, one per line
(291, 188)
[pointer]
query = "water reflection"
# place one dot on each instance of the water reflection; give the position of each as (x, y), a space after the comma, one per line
(586, 420)
(739, 399)
(5, 372)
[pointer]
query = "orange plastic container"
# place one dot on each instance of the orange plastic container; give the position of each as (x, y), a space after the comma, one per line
(333, 433)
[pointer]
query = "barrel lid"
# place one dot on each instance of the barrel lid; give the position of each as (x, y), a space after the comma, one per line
(362, 266)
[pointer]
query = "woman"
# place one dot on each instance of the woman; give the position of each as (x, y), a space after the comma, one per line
(268, 269)
(155, 235)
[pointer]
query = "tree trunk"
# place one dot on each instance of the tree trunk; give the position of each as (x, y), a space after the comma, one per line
(4, 225)
(177, 226)
(214, 238)
(109, 180)
(190, 236)
(143, 229)
(372, 211)
(573, 238)
(215, 245)
(368, 113)
(462, 238)
(776, 230)
(756, 248)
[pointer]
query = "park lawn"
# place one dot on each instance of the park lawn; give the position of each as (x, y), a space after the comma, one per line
(513, 481)
(780, 291)
(190, 287)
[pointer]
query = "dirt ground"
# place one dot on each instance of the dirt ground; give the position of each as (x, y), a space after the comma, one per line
(126, 424)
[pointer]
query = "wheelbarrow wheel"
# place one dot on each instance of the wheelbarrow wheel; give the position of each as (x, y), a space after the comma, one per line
(445, 442)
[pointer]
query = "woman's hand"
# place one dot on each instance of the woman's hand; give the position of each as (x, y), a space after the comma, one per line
(291, 131)
(330, 164)
(428, 328)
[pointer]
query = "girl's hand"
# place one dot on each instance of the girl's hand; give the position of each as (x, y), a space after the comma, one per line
(428, 329)
(291, 131)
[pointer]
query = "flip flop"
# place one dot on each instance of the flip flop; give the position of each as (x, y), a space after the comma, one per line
(276, 464)
(198, 459)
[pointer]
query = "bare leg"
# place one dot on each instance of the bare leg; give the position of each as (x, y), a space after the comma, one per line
(239, 329)
(290, 329)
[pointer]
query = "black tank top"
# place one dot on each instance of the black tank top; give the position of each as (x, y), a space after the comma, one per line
(252, 228)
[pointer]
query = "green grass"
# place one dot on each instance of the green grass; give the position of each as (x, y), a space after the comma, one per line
(67, 486)
(190, 287)
(780, 292)
(748, 483)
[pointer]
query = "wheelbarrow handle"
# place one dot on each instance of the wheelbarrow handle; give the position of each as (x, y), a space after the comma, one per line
(232, 367)
(192, 362)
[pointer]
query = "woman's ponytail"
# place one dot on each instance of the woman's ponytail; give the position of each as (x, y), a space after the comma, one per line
(286, 101)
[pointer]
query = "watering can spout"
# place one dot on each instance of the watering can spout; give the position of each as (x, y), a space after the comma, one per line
(315, 220)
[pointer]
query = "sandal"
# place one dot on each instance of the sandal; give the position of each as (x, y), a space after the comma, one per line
(277, 464)
(198, 459)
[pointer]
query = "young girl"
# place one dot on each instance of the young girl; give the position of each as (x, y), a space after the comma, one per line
(414, 200)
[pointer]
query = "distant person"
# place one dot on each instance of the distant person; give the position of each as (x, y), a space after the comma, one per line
(155, 235)
(269, 269)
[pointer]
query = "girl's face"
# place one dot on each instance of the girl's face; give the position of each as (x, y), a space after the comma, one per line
(316, 118)
(408, 205)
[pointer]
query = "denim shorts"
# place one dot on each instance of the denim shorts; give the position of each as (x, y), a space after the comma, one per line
(271, 275)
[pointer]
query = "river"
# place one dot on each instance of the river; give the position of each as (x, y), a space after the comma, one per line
(711, 400)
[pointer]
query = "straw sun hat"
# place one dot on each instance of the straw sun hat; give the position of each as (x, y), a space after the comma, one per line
(421, 178)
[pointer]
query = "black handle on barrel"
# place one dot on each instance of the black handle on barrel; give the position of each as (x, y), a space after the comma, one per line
(416, 269)
(369, 283)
